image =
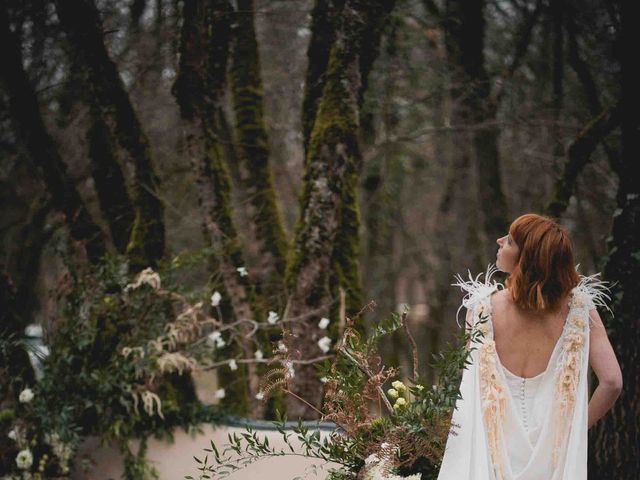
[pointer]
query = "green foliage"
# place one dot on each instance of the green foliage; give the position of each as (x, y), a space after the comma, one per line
(410, 434)
(114, 369)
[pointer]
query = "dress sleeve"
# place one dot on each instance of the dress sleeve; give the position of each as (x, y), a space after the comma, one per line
(475, 290)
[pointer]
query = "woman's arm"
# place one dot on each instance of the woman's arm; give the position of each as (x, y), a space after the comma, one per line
(605, 365)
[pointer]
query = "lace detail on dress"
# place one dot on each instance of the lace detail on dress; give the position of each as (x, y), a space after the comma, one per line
(567, 374)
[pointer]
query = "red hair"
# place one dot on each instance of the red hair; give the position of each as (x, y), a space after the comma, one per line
(545, 271)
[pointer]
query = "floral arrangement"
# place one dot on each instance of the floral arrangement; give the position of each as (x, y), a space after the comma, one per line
(386, 428)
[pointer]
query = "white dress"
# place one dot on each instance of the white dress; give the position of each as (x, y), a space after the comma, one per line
(505, 427)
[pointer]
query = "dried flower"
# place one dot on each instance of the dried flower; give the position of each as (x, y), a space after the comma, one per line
(323, 323)
(146, 276)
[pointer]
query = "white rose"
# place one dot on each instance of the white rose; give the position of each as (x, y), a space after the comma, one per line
(215, 299)
(323, 323)
(24, 459)
(220, 393)
(325, 344)
(26, 395)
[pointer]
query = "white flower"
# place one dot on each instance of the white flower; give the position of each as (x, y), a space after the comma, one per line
(401, 402)
(26, 395)
(13, 435)
(282, 347)
(260, 396)
(33, 330)
(392, 392)
(24, 459)
(290, 370)
(273, 318)
(323, 323)
(324, 379)
(220, 393)
(325, 344)
(215, 299)
(232, 364)
(258, 354)
(216, 337)
(242, 271)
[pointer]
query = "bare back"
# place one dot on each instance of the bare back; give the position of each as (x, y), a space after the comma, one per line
(524, 343)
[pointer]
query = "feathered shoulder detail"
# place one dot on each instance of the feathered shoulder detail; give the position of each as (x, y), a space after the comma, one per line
(593, 291)
(475, 289)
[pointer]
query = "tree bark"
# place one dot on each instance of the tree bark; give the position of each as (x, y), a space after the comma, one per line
(333, 157)
(615, 438)
(81, 22)
(36, 141)
(253, 153)
(198, 90)
(578, 156)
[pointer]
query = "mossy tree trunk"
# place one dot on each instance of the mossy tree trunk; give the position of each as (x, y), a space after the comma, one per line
(109, 180)
(83, 27)
(333, 158)
(252, 149)
(613, 441)
(198, 90)
(345, 272)
(40, 147)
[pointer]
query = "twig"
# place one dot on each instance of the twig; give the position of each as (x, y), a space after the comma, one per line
(414, 347)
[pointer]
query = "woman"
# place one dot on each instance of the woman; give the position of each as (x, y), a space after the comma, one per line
(524, 410)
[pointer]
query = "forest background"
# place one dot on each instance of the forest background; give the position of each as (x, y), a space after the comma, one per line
(307, 157)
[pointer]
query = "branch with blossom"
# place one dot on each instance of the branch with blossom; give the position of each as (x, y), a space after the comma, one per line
(380, 434)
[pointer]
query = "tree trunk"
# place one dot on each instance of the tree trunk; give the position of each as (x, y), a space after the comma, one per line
(333, 157)
(34, 138)
(464, 27)
(253, 153)
(198, 90)
(615, 438)
(578, 156)
(83, 27)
